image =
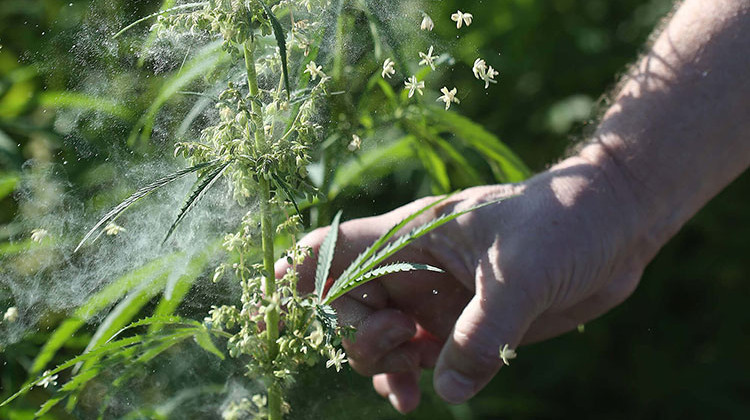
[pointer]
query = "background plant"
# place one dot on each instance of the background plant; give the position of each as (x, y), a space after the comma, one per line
(556, 58)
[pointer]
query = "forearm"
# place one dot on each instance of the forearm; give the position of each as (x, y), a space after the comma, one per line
(679, 128)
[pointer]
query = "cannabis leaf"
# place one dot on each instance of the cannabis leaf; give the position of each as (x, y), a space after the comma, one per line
(140, 193)
(199, 189)
(325, 256)
(278, 32)
(366, 267)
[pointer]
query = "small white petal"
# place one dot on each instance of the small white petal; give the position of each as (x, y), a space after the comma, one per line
(427, 23)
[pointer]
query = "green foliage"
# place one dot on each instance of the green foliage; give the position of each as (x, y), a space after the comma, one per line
(547, 52)
(366, 267)
(202, 185)
(325, 256)
(7, 184)
(113, 214)
(280, 34)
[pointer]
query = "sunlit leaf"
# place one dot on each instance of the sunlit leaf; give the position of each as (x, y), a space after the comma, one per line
(199, 189)
(325, 256)
(278, 32)
(140, 193)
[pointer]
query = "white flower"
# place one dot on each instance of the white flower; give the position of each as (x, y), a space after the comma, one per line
(483, 72)
(317, 336)
(314, 70)
(112, 229)
(427, 23)
(414, 85)
(388, 69)
(336, 359)
(460, 18)
(428, 59)
(38, 235)
(47, 380)
(480, 67)
(355, 144)
(11, 315)
(507, 354)
(448, 97)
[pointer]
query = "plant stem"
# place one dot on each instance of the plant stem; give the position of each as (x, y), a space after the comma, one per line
(272, 315)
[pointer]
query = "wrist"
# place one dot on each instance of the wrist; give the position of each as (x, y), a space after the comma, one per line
(623, 200)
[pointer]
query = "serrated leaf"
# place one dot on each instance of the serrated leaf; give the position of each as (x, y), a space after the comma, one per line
(203, 338)
(72, 362)
(107, 296)
(380, 242)
(325, 256)
(157, 320)
(77, 382)
(390, 249)
(278, 32)
(122, 314)
(283, 185)
(113, 214)
(384, 271)
(199, 189)
(328, 317)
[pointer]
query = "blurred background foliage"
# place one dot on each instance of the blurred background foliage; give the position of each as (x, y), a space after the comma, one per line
(73, 102)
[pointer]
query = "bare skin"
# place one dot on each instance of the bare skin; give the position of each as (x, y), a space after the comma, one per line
(573, 241)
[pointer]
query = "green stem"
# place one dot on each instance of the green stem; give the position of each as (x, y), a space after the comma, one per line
(272, 315)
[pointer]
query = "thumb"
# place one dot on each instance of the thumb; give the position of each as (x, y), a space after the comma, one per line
(496, 316)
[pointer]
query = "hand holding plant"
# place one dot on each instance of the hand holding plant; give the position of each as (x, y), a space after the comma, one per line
(520, 271)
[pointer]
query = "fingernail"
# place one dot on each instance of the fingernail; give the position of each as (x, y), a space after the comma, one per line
(393, 399)
(454, 387)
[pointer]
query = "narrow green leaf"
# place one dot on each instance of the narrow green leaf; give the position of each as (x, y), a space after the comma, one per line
(163, 344)
(175, 293)
(7, 184)
(104, 298)
(78, 100)
(203, 338)
(283, 185)
(325, 256)
(113, 346)
(278, 32)
(435, 167)
(199, 189)
(355, 266)
(428, 134)
(158, 320)
(358, 268)
(371, 164)
(507, 166)
(122, 314)
(383, 271)
(140, 193)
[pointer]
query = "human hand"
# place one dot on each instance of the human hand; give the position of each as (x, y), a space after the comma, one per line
(562, 251)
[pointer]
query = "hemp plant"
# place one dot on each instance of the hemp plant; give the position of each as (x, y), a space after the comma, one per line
(261, 145)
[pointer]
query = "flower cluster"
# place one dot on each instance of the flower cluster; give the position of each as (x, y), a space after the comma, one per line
(480, 69)
(484, 72)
